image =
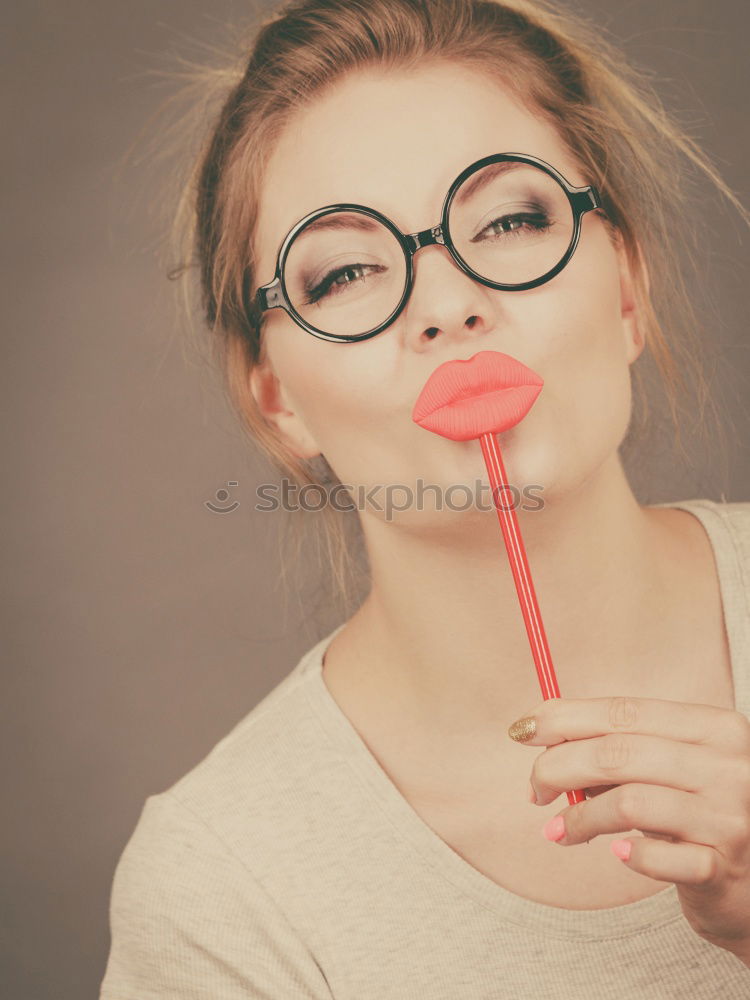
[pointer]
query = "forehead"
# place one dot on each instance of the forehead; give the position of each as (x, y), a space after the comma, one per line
(395, 141)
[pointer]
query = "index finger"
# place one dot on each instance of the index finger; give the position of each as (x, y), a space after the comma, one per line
(559, 719)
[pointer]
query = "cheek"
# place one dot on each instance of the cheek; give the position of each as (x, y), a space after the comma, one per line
(593, 352)
(585, 363)
(342, 392)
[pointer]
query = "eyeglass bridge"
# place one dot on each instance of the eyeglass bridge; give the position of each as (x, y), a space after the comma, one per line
(425, 238)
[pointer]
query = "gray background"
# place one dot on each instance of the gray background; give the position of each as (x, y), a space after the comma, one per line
(140, 626)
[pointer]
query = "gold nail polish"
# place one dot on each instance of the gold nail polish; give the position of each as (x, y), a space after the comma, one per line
(523, 730)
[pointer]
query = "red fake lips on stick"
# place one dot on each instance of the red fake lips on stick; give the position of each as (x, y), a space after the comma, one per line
(478, 398)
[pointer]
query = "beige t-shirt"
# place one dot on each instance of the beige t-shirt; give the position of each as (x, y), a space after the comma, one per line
(286, 864)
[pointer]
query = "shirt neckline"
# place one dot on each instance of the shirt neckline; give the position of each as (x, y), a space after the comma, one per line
(590, 924)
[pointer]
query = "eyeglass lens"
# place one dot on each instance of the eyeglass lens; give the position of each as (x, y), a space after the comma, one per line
(510, 222)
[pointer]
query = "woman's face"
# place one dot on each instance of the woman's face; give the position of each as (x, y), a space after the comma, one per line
(395, 142)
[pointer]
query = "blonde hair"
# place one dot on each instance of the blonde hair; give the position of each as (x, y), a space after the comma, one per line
(558, 64)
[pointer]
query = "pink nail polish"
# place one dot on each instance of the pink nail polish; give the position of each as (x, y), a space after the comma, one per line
(554, 829)
(621, 848)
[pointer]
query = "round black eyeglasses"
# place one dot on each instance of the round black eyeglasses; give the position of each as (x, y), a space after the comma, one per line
(510, 221)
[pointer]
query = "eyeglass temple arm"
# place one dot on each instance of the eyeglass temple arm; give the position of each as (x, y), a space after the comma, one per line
(269, 296)
(586, 199)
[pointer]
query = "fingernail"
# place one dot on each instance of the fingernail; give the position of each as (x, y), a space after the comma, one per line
(523, 729)
(621, 848)
(555, 828)
(532, 794)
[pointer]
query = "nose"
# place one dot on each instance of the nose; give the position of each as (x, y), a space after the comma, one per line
(444, 301)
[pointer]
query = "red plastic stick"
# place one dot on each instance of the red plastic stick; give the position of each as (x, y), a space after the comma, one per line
(522, 577)
(480, 397)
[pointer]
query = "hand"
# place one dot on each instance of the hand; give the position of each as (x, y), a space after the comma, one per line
(677, 772)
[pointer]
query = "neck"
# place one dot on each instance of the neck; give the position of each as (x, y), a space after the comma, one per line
(442, 633)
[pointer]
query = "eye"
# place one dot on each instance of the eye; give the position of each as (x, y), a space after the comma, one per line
(338, 280)
(518, 223)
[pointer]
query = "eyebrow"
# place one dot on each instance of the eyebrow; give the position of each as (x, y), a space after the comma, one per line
(340, 220)
(483, 177)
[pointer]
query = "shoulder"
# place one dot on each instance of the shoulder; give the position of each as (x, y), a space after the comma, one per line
(186, 917)
(250, 802)
(728, 527)
(736, 516)
(256, 788)
(728, 524)
(279, 774)
(199, 893)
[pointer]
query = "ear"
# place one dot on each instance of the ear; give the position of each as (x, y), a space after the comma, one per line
(633, 272)
(276, 407)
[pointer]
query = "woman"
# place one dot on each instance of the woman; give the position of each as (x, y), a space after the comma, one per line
(367, 830)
